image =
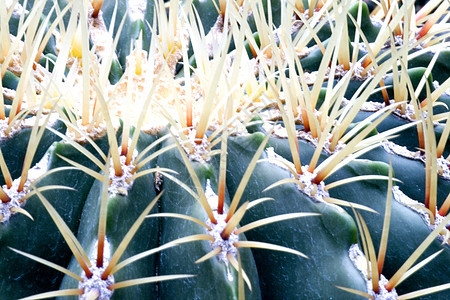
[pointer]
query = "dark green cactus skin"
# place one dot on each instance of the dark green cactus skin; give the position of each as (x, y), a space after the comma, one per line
(439, 72)
(311, 63)
(10, 80)
(14, 21)
(48, 61)
(123, 210)
(409, 136)
(402, 240)
(370, 30)
(412, 175)
(208, 12)
(441, 68)
(15, 148)
(41, 236)
(212, 275)
(324, 239)
(26, 277)
(131, 28)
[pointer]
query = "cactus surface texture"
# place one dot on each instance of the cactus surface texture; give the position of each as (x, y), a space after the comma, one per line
(224, 149)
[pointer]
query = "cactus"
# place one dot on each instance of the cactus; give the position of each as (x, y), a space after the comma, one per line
(229, 149)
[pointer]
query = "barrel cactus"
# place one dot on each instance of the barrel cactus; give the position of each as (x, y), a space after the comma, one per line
(224, 149)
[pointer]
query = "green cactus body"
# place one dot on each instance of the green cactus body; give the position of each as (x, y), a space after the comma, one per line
(15, 148)
(10, 80)
(122, 212)
(331, 78)
(132, 27)
(334, 232)
(42, 236)
(216, 278)
(411, 174)
(402, 241)
(412, 183)
(370, 30)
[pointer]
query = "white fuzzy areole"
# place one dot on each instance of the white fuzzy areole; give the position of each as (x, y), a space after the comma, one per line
(18, 126)
(307, 136)
(393, 148)
(358, 73)
(121, 184)
(383, 294)
(226, 245)
(339, 72)
(315, 191)
(399, 196)
(18, 8)
(436, 85)
(442, 163)
(93, 132)
(408, 115)
(136, 9)
(399, 42)
(17, 197)
(281, 132)
(359, 260)
(96, 284)
(200, 150)
(216, 229)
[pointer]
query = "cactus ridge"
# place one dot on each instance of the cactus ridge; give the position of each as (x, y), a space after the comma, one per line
(224, 149)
